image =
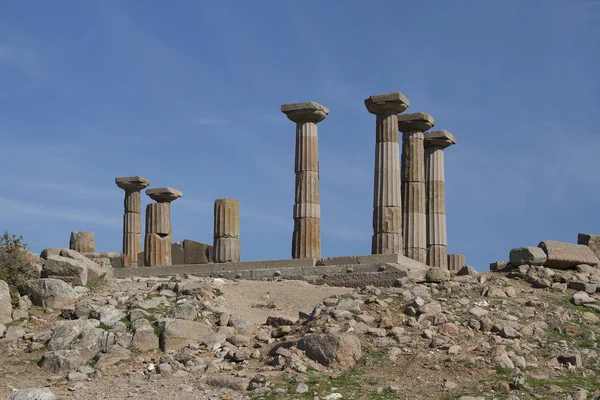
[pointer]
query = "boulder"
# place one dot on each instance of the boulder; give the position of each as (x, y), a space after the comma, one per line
(467, 270)
(591, 241)
(61, 361)
(332, 350)
(52, 293)
(528, 255)
(499, 265)
(96, 272)
(437, 275)
(177, 333)
(183, 311)
(80, 334)
(5, 303)
(33, 394)
(563, 255)
(66, 269)
(107, 315)
(144, 337)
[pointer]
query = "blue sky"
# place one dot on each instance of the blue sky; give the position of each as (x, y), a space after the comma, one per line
(187, 94)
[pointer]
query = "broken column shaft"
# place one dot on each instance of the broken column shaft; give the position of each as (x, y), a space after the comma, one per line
(414, 222)
(437, 240)
(387, 207)
(159, 235)
(132, 219)
(226, 246)
(306, 238)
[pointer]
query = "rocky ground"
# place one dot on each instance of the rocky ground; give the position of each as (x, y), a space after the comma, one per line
(516, 333)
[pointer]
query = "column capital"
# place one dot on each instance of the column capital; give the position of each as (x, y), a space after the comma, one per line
(415, 122)
(132, 182)
(441, 139)
(163, 195)
(394, 102)
(308, 111)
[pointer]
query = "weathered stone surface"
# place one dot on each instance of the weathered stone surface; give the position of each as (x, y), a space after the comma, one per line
(115, 259)
(83, 242)
(467, 270)
(158, 218)
(163, 195)
(178, 333)
(51, 293)
(591, 241)
(5, 304)
(499, 265)
(332, 350)
(437, 275)
(177, 253)
(306, 238)
(226, 249)
(196, 252)
(456, 261)
(393, 103)
(61, 361)
(136, 183)
(84, 335)
(580, 298)
(66, 269)
(226, 218)
(157, 250)
(528, 255)
(183, 311)
(562, 255)
(95, 272)
(33, 394)
(228, 382)
(308, 111)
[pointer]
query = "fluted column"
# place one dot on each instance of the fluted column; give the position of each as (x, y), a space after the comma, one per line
(159, 234)
(387, 207)
(456, 261)
(414, 222)
(132, 219)
(437, 240)
(306, 238)
(226, 245)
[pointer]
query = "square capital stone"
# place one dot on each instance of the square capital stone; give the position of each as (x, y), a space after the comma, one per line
(308, 111)
(132, 182)
(163, 195)
(415, 122)
(441, 139)
(394, 102)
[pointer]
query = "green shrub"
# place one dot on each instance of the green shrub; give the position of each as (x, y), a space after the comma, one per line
(16, 264)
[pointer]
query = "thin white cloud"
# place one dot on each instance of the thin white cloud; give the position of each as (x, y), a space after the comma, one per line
(15, 209)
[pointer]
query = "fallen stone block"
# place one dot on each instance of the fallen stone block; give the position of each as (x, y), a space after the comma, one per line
(196, 252)
(563, 255)
(66, 269)
(591, 241)
(52, 293)
(177, 333)
(528, 255)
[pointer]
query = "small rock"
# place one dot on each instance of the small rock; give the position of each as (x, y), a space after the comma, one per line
(437, 275)
(581, 298)
(301, 388)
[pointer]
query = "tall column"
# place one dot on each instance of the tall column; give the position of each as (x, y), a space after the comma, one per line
(306, 239)
(159, 234)
(132, 220)
(226, 246)
(414, 221)
(437, 240)
(387, 207)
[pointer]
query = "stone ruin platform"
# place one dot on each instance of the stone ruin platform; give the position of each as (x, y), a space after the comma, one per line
(349, 271)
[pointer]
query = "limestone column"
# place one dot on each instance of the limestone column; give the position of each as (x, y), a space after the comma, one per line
(437, 240)
(456, 261)
(387, 207)
(414, 222)
(159, 235)
(306, 239)
(132, 219)
(82, 242)
(226, 246)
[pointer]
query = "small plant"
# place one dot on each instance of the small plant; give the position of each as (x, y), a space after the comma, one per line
(16, 266)
(217, 292)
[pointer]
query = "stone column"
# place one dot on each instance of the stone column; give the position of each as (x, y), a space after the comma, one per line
(414, 222)
(159, 235)
(82, 241)
(437, 241)
(306, 239)
(456, 261)
(132, 220)
(226, 246)
(387, 207)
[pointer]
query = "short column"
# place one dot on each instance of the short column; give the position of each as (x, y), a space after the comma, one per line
(437, 240)
(414, 222)
(306, 238)
(387, 207)
(83, 242)
(226, 246)
(456, 261)
(159, 234)
(132, 219)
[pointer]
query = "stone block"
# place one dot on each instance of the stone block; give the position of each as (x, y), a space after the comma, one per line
(5, 304)
(83, 242)
(177, 254)
(116, 259)
(387, 243)
(178, 333)
(227, 218)
(157, 250)
(591, 241)
(387, 219)
(226, 249)
(196, 252)
(439, 138)
(66, 269)
(393, 103)
(132, 223)
(499, 265)
(308, 111)
(306, 238)
(132, 182)
(163, 195)
(562, 255)
(415, 122)
(528, 255)
(158, 218)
